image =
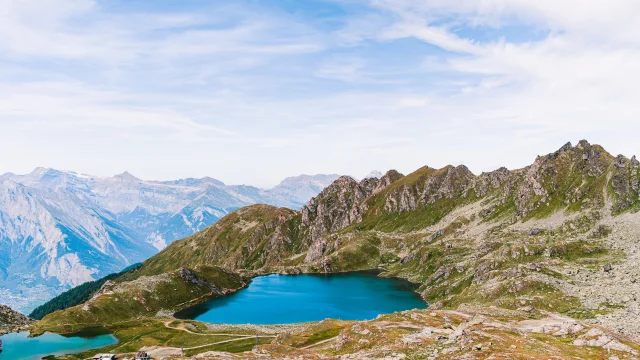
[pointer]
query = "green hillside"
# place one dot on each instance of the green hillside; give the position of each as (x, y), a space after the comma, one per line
(504, 239)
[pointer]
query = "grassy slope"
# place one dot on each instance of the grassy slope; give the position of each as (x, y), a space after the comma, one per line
(76, 296)
(236, 241)
(143, 297)
(506, 269)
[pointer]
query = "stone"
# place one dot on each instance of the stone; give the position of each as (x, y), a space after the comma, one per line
(438, 234)
(11, 321)
(406, 259)
(534, 232)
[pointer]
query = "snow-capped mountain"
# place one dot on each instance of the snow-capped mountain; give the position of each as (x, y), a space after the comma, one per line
(301, 189)
(59, 229)
(374, 174)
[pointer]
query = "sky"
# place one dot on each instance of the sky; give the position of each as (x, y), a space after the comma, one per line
(251, 91)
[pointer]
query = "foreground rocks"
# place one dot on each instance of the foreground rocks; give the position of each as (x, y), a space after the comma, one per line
(12, 321)
(432, 334)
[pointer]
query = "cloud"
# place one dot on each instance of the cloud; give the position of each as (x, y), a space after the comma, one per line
(253, 92)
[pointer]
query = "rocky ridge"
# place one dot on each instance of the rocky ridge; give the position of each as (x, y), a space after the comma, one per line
(558, 236)
(73, 228)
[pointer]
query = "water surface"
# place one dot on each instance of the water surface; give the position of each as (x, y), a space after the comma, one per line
(18, 346)
(282, 299)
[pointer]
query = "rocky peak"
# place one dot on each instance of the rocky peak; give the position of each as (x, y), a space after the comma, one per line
(625, 182)
(387, 179)
(490, 181)
(567, 176)
(374, 174)
(336, 207)
(126, 177)
(448, 184)
(427, 186)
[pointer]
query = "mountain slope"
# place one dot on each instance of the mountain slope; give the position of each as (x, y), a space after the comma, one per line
(557, 236)
(60, 229)
(76, 295)
(571, 182)
(11, 321)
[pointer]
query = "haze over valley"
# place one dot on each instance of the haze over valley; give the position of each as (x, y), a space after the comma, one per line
(59, 229)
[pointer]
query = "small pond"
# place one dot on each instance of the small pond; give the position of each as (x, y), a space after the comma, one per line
(283, 299)
(19, 346)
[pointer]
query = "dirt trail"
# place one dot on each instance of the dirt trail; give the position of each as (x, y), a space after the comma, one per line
(168, 326)
(319, 343)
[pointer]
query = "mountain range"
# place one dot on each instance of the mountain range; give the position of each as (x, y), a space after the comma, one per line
(59, 229)
(551, 249)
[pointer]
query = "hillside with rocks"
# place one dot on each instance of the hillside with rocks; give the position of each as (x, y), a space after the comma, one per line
(556, 237)
(12, 321)
(74, 228)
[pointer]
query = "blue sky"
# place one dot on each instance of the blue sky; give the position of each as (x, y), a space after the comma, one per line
(254, 91)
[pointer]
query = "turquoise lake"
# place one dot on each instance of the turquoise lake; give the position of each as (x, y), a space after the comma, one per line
(18, 346)
(282, 299)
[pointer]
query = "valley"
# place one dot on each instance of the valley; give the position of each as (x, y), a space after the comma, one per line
(530, 263)
(59, 229)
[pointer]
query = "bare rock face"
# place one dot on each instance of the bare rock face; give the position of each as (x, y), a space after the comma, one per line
(386, 180)
(316, 250)
(571, 175)
(431, 186)
(491, 181)
(337, 206)
(625, 181)
(189, 276)
(12, 321)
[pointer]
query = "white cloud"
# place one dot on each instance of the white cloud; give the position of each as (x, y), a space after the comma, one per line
(252, 94)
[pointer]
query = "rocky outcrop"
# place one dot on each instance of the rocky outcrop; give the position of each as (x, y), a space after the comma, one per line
(625, 183)
(189, 276)
(487, 182)
(386, 180)
(12, 321)
(572, 176)
(446, 241)
(337, 206)
(430, 186)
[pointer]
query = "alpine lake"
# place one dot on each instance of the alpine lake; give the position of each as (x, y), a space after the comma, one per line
(269, 299)
(286, 299)
(19, 346)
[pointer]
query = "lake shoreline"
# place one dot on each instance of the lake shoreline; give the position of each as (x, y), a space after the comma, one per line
(359, 289)
(21, 345)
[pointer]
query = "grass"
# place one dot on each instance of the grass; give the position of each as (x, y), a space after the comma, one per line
(320, 336)
(408, 221)
(360, 254)
(141, 298)
(243, 240)
(506, 210)
(236, 241)
(135, 334)
(231, 347)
